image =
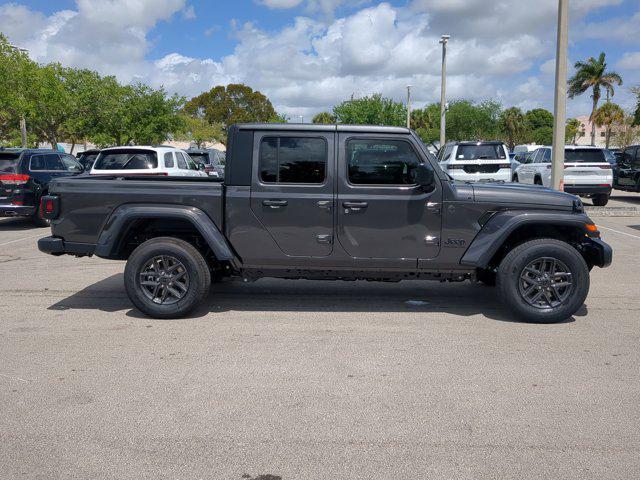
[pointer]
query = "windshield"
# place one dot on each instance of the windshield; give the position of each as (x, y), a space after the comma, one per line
(584, 155)
(126, 160)
(480, 152)
(9, 162)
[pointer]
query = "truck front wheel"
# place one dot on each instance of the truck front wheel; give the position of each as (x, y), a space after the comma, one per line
(543, 281)
(166, 277)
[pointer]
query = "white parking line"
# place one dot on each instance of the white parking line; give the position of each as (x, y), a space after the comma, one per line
(621, 233)
(20, 239)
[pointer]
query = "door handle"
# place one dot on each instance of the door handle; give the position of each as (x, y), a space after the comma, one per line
(326, 204)
(275, 203)
(355, 205)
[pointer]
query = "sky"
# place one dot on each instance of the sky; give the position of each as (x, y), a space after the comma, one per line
(307, 55)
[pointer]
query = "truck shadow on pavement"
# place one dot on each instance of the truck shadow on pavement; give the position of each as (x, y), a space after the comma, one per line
(275, 295)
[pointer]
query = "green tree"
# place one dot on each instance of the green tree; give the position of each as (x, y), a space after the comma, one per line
(542, 136)
(593, 75)
(608, 115)
(538, 118)
(636, 113)
(53, 103)
(371, 110)
(626, 133)
(469, 121)
(512, 126)
(426, 122)
(235, 103)
(572, 129)
(17, 76)
(324, 117)
(199, 131)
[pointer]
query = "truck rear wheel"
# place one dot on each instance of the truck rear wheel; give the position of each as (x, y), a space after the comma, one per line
(543, 281)
(166, 277)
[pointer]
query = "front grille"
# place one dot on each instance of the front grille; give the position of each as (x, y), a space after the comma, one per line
(482, 168)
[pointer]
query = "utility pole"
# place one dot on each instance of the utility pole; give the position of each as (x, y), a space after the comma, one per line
(301, 118)
(443, 91)
(408, 106)
(560, 101)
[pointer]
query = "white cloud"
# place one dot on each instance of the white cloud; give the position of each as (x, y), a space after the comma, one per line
(316, 61)
(189, 13)
(630, 61)
(280, 3)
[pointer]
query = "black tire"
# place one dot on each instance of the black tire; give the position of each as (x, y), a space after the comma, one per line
(38, 220)
(512, 292)
(537, 181)
(191, 264)
(515, 179)
(600, 200)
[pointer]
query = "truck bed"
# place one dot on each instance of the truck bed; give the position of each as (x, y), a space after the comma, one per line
(87, 201)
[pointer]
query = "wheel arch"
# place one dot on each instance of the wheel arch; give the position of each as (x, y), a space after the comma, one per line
(160, 220)
(510, 228)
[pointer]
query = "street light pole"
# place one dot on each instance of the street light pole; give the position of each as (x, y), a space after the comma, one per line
(408, 106)
(443, 91)
(301, 118)
(560, 100)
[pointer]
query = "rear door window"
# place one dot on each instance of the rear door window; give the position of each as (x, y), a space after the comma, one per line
(293, 160)
(182, 164)
(480, 152)
(127, 160)
(9, 162)
(71, 164)
(584, 155)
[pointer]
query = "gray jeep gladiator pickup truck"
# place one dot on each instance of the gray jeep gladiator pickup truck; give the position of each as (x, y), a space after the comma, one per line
(328, 202)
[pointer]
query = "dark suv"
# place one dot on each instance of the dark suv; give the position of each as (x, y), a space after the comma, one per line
(212, 159)
(627, 171)
(24, 177)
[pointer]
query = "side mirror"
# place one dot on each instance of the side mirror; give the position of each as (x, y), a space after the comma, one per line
(424, 175)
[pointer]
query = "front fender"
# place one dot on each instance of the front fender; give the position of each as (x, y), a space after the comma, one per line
(502, 224)
(116, 226)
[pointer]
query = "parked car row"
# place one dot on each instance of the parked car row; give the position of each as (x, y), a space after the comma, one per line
(588, 171)
(25, 174)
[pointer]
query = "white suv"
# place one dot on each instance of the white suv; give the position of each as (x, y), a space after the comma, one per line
(166, 161)
(475, 161)
(587, 172)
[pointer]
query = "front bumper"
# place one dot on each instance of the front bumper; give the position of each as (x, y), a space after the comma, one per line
(598, 252)
(57, 246)
(9, 210)
(587, 189)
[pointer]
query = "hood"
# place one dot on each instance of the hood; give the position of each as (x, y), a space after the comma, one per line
(516, 193)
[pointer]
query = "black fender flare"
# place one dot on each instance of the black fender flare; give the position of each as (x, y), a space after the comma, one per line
(118, 222)
(502, 224)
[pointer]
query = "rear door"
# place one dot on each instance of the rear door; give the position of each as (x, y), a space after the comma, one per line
(292, 190)
(382, 212)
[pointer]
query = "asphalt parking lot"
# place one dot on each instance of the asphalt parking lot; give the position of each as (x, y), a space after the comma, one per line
(306, 380)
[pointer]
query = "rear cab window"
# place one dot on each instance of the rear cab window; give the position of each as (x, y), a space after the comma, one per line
(481, 152)
(9, 162)
(126, 159)
(584, 155)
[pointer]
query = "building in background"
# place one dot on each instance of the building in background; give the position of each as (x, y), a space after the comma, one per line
(584, 133)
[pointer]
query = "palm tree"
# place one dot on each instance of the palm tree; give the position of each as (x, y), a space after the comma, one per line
(607, 115)
(592, 74)
(512, 125)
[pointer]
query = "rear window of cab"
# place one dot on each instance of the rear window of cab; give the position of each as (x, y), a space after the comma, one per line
(480, 152)
(126, 159)
(584, 155)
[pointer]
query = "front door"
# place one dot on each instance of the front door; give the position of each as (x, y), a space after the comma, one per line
(626, 167)
(292, 190)
(382, 213)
